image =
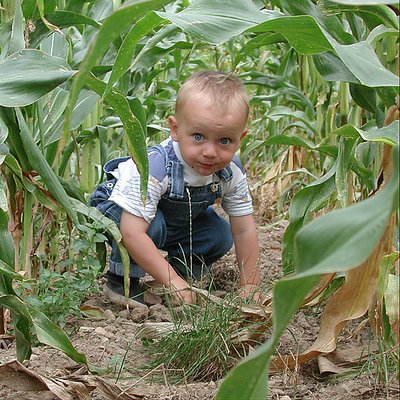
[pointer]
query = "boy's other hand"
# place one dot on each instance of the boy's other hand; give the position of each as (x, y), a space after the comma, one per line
(251, 292)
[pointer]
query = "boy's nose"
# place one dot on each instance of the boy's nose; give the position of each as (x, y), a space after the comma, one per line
(209, 151)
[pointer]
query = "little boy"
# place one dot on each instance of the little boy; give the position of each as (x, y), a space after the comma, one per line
(189, 172)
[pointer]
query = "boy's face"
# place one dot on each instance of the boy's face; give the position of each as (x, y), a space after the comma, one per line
(208, 136)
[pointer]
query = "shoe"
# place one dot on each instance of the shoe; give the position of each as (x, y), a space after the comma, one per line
(113, 291)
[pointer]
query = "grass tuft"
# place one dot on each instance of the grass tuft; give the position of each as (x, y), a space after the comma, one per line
(206, 351)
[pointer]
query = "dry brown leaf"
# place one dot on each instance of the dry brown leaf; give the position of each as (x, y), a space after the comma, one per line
(327, 367)
(155, 330)
(342, 360)
(91, 311)
(275, 184)
(113, 391)
(352, 300)
(318, 288)
(352, 355)
(77, 387)
(13, 374)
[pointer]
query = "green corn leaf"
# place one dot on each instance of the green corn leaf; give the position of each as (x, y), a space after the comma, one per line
(53, 106)
(361, 64)
(133, 128)
(392, 302)
(46, 331)
(62, 19)
(263, 39)
(55, 45)
(39, 163)
(335, 242)
(344, 238)
(17, 41)
(11, 163)
(112, 27)
(381, 32)
(386, 266)
(127, 49)
(361, 59)
(388, 134)
(343, 164)
(14, 142)
(332, 68)
(302, 32)
(249, 379)
(326, 15)
(3, 130)
(54, 119)
(216, 21)
(290, 140)
(364, 2)
(308, 200)
(21, 323)
(83, 107)
(151, 52)
(279, 112)
(137, 108)
(28, 75)
(26, 228)
(6, 242)
(329, 22)
(23, 342)
(364, 96)
(107, 225)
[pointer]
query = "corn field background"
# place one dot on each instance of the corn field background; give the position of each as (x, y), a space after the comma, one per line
(82, 82)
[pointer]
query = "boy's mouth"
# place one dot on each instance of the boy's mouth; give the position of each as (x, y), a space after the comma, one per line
(206, 165)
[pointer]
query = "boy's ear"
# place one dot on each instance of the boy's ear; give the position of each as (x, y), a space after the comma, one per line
(244, 133)
(173, 128)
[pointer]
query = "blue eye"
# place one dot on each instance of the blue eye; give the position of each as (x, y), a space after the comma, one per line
(198, 137)
(225, 141)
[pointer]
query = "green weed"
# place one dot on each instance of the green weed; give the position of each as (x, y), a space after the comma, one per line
(59, 291)
(201, 346)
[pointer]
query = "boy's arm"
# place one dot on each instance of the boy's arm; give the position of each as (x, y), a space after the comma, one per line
(247, 252)
(142, 249)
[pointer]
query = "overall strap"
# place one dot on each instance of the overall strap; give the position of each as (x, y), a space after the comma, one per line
(111, 165)
(174, 172)
(176, 176)
(225, 174)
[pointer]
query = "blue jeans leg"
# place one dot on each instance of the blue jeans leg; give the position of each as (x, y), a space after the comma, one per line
(157, 231)
(211, 239)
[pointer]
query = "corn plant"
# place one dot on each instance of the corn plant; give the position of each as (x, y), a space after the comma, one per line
(37, 147)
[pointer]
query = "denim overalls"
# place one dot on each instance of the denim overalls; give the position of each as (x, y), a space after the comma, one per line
(170, 229)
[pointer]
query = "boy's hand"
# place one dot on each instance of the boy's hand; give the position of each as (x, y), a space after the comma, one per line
(251, 292)
(181, 292)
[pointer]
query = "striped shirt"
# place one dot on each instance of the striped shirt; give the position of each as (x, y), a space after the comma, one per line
(236, 200)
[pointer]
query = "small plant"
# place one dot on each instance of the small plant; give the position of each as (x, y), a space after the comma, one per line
(59, 291)
(203, 344)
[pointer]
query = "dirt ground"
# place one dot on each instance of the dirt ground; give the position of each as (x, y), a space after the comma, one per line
(113, 340)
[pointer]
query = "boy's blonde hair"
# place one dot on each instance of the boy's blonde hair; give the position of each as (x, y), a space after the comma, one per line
(222, 87)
